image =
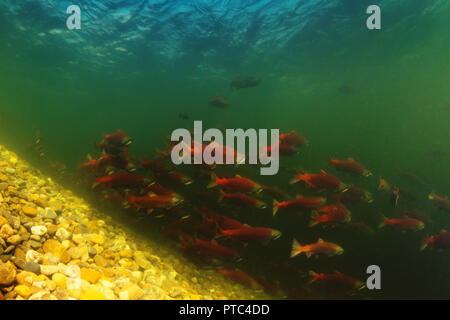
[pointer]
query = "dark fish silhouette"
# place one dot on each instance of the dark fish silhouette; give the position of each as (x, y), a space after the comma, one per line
(245, 82)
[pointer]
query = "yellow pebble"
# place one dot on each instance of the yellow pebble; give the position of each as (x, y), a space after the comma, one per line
(29, 211)
(93, 294)
(60, 280)
(23, 291)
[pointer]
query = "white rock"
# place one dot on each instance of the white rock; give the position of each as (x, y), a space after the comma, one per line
(62, 234)
(106, 284)
(49, 269)
(39, 230)
(33, 256)
(73, 271)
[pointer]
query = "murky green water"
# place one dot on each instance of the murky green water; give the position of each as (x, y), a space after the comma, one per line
(381, 97)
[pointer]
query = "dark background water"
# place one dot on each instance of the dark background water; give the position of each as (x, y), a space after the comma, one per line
(135, 65)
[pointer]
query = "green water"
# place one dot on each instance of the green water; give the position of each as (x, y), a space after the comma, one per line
(395, 119)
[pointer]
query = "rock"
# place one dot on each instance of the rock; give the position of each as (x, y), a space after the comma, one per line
(75, 252)
(3, 186)
(3, 221)
(78, 239)
(26, 277)
(32, 267)
(54, 247)
(93, 294)
(52, 259)
(7, 274)
(73, 272)
(49, 269)
(29, 211)
(39, 230)
(9, 249)
(97, 238)
(134, 291)
(141, 260)
(175, 292)
(33, 256)
(43, 295)
(10, 170)
(49, 214)
(14, 240)
(61, 293)
(62, 234)
(6, 231)
(35, 237)
(35, 244)
(51, 229)
(23, 290)
(100, 261)
(92, 252)
(60, 280)
(128, 253)
(90, 275)
(19, 262)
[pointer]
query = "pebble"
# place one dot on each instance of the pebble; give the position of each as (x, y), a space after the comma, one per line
(10, 170)
(32, 267)
(3, 221)
(29, 211)
(7, 274)
(90, 275)
(60, 280)
(141, 260)
(97, 238)
(92, 252)
(73, 272)
(49, 214)
(14, 239)
(3, 186)
(23, 290)
(33, 256)
(62, 234)
(49, 269)
(39, 230)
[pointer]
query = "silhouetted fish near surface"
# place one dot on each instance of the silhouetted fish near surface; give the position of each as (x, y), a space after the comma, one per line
(219, 102)
(245, 82)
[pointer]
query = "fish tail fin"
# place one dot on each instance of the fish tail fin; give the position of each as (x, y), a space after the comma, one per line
(221, 195)
(423, 246)
(431, 195)
(95, 185)
(314, 216)
(275, 207)
(313, 275)
(294, 180)
(383, 222)
(89, 157)
(213, 182)
(296, 248)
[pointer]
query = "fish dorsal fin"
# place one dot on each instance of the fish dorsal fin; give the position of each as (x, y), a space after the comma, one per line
(299, 196)
(151, 194)
(89, 156)
(350, 158)
(323, 171)
(320, 240)
(238, 176)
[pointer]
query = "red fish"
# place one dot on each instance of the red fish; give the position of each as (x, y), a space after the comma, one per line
(219, 102)
(178, 234)
(155, 201)
(322, 180)
(213, 249)
(159, 190)
(118, 138)
(283, 150)
(240, 198)
(440, 241)
(354, 194)
(350, 166)
(121, 179)
(440, 202)
(383, 185)
(293, 138)
(336, 280)
(299, 203)
(251, 234)
(403, 224)
(155, 164)
(319, 247)
(236, 184)
(361, 226)
(416, 214)
(332, 214)
(174, 176)
(222, 222)
(239, 276)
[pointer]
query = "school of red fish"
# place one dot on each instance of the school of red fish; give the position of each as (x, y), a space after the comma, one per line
(215, 235)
